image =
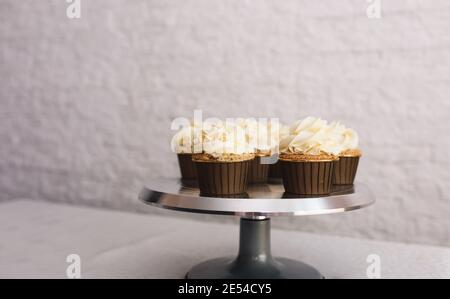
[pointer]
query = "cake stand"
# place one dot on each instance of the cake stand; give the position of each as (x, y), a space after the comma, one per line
(255, 208)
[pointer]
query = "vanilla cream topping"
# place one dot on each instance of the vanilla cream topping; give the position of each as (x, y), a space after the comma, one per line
(263, 137)
(350, 140)
(345, 138)
(228, 138)
(187, 141)
(313, 136)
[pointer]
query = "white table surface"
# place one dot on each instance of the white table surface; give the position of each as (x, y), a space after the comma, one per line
(36, 237)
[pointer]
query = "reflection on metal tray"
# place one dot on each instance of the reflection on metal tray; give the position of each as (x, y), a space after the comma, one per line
(262, 200)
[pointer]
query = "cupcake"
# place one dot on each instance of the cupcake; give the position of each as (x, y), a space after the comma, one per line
(307, 158)
(222, 167)
(345, 168)
(263, 138)
(184, 143)
(274, 169)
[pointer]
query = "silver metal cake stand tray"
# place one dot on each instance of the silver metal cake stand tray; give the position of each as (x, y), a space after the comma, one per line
(255, 208)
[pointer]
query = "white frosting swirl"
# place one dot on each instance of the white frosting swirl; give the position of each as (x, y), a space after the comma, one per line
(312, 136)
(263, 137)
(345, 138)
(229, 138)
(284, 131)
(350, 140)
(187, 141)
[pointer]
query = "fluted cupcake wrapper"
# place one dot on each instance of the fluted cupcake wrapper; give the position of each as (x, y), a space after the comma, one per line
(187, 167)
(345, 170)
(257, 172)
(307, 178)
(275, 170)
(222, 179)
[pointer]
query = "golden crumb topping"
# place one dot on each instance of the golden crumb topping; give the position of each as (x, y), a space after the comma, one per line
(222, 157)
(308, 158)
(351, 153)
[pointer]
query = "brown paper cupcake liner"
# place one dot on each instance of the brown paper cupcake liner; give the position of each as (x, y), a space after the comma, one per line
(187, 167)
(227, 178)
(307, 178)
(257, 172)
(345, 170)
(275, 171)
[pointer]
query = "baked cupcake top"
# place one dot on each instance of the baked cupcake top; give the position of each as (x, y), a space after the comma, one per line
(311, 137)
(220, 158)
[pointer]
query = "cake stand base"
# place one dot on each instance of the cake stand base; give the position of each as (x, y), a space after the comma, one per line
(227, 268)
(254, 260)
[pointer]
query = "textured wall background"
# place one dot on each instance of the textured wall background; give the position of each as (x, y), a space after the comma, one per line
(86, 104)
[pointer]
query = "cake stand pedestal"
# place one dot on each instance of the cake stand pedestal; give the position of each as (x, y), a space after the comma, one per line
(256, 207)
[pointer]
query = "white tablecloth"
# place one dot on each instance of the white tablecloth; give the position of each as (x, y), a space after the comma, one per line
(36, 237)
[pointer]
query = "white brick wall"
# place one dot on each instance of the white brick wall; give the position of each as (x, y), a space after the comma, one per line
(87, 104)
